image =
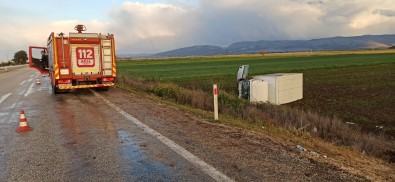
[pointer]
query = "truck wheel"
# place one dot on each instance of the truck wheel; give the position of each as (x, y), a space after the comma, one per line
(55, 89)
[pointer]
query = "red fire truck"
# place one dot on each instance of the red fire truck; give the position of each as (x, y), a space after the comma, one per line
(79, 60)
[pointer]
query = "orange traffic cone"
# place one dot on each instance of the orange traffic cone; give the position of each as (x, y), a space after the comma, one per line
(38, 81)
(23, 123)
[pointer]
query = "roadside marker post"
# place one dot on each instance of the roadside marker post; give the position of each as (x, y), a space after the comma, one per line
(215, 92)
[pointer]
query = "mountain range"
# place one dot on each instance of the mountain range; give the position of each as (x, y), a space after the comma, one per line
(253, 47)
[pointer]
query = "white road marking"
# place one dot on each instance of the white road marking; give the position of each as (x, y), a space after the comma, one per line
(13, 106)
(31, 76)
(22, 92)
(22, 82)
(29, 90)
(31, 79)
(208, 169)
(4, 97)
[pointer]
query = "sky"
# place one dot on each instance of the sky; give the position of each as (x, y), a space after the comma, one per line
(151, 26)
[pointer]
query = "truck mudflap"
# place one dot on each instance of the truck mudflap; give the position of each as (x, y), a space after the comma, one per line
(85, 86)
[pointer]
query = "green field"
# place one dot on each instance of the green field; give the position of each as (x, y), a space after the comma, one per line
(203, 72)
(189, 69)
(357, 88)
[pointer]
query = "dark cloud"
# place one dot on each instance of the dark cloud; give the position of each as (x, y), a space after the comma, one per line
(315, 2)
(385, 12)
(310, 2)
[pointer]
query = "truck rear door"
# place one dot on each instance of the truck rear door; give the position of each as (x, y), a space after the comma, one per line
(85, 59)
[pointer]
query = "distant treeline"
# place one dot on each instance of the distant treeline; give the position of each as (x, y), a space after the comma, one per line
(8, 63)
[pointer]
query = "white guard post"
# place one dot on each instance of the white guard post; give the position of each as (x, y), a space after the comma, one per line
(215, 92)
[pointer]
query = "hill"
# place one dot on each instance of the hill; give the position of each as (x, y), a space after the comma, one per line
(253, 47)
(199, 50)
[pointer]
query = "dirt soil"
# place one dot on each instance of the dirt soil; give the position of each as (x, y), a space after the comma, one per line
(244, 155)
(362, 95)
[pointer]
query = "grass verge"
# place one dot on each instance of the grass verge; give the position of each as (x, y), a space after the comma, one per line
(293, 120)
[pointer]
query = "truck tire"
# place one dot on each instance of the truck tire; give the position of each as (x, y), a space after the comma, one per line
(55, 90)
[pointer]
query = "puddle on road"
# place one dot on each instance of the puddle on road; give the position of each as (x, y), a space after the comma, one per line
(2, 115)
(141, 167)
(2, 146)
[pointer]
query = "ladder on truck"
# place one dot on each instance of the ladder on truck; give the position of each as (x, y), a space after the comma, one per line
(107, 57)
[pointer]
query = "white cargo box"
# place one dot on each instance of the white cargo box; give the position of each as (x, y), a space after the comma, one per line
(258, 90)
(283, 87)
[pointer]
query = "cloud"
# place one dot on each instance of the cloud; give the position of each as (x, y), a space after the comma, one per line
(155, 27)
(385, 12)
(161, 27)
(149, 27)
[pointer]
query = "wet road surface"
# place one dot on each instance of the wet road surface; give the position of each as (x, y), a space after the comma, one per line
(77, 137)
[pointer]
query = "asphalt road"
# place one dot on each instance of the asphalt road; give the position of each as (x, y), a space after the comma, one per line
(77, 137)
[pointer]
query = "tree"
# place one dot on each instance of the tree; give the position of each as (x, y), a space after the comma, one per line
(20, 57)
(263, 52)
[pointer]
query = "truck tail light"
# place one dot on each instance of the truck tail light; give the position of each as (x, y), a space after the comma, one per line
(67, 81)
(108, 79)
